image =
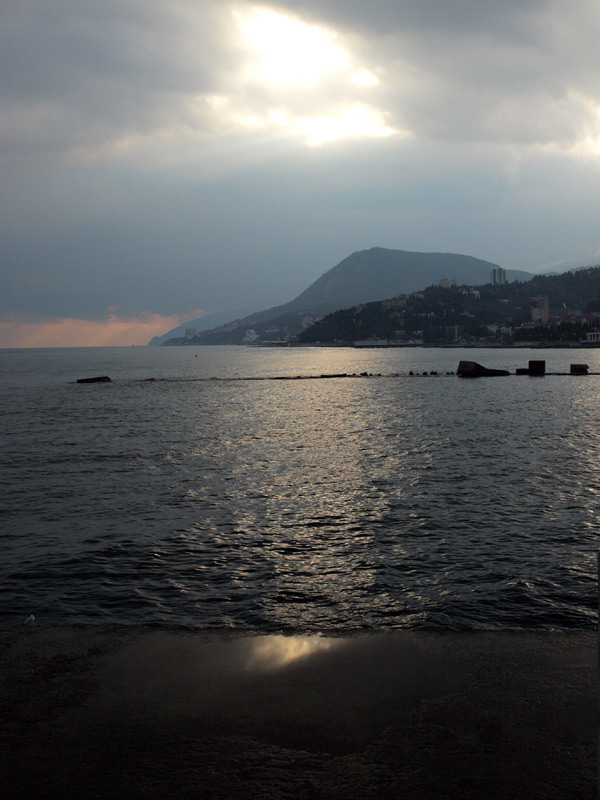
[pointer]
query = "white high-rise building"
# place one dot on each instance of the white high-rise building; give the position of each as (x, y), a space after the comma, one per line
(498, 276)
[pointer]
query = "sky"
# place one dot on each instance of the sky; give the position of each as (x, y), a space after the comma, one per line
(166, 160)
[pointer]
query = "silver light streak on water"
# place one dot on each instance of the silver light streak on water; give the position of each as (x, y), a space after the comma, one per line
(307, 505)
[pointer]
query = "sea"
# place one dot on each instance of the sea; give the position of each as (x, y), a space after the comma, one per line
(299, 489)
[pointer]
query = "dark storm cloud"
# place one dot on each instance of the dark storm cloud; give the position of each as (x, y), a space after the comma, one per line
(151, 166)
(508, 71)
(84, 73)
(76, 72)
(382, 17)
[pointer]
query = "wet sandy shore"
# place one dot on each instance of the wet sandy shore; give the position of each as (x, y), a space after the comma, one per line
(104, 712)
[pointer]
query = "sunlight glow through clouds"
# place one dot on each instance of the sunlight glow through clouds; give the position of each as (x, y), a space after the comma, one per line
(364, 79)
(587, 144)
(71, 332)
(354, 121)
(358, 120)
(290, 78)
(287, 50)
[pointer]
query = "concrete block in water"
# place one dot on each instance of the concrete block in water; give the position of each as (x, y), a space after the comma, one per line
(537, 367)
(579, 369)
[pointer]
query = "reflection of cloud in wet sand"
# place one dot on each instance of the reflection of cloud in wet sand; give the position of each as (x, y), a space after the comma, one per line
(274, 652)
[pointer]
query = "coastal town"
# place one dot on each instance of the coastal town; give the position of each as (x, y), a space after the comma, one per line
(546, 311)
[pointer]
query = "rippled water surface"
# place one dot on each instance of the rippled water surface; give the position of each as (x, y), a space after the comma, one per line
(215, 496)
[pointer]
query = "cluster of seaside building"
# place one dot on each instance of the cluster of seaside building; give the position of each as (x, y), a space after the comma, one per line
(539, 313)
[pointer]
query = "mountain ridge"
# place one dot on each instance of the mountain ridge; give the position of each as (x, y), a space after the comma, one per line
(362, 277)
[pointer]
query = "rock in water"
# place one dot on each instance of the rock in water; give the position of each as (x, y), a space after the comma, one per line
(99, 379)
(471, 369)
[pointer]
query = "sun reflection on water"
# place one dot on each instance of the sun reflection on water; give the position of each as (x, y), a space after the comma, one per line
(275, 652)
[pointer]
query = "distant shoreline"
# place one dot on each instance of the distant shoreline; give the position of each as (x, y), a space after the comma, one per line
(392, 345)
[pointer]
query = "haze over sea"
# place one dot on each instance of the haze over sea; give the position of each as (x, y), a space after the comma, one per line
(309, 505)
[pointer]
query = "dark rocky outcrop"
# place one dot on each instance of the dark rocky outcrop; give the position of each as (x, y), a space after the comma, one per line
(98, 379)
(471, 369)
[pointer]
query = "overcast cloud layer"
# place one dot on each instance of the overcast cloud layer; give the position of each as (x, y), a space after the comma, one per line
(165, 159)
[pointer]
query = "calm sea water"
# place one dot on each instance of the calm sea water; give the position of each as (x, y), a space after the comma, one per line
(213, 497)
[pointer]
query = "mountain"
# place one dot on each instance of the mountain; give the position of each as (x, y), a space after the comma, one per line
(362, 277)
(591, 258)
(378, 273)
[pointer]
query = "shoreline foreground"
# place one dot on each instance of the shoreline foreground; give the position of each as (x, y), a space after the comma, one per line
(110, 712)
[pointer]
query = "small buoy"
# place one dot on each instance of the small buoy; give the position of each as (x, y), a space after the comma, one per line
(30, 620)
(411, 372)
